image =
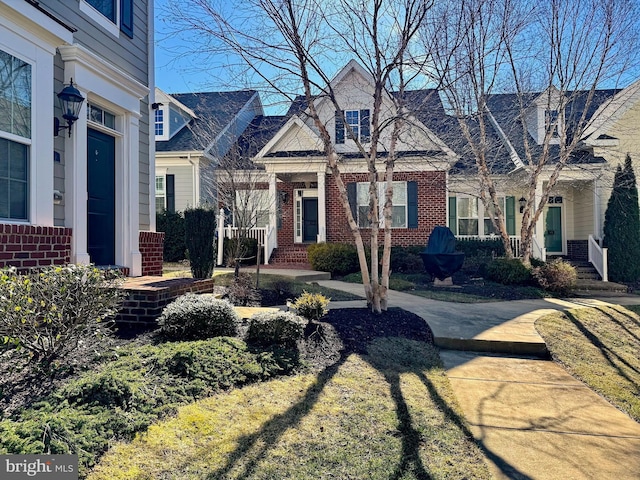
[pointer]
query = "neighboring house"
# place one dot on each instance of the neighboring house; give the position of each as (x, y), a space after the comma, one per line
(305, 207)
(193, 131)
(80, 195)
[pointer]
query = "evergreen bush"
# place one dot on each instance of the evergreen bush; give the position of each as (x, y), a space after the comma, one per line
(508, 271)
(407, 259)
(336, 258)
(622, 226)
(172, 224)
(193, 317)
(200, 226)
(275, 328)
(312, 306)
(477, 247)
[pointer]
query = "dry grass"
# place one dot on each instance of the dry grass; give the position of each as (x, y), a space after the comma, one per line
(388, 414)
(600, 347)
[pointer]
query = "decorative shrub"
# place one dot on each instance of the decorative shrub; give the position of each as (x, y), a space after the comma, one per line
(47, 313)
(473, 247)
(407, 259)
(243, 292)
(312, 306)
(240, 248)
(622, 226)
(476, 265)
(200, 226)
(275, 328)
(508, 271)
(556, 276)
(172, 224)
(336, 258)
(192, 317)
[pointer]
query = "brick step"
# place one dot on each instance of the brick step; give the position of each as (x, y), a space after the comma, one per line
(291, 254)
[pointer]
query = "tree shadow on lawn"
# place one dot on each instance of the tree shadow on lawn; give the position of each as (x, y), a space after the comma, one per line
(357, 329)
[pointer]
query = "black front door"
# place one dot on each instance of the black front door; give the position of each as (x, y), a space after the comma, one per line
(309, 219)
(101, 189)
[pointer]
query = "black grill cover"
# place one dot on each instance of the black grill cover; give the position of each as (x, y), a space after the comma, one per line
(440, 257)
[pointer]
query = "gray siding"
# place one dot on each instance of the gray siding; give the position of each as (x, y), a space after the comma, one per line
(128, 54)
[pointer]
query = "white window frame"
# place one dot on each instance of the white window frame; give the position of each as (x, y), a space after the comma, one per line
(26, 141)
(477, 217)
(161, 192)
(159, 123)
(355, 127)
(92, 107)
(100, 19)
(362, 201)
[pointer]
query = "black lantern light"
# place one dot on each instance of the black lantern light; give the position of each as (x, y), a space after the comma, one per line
(522, 202)
(70, 102)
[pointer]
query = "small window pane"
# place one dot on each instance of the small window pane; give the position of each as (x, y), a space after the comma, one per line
(105, 7)
(467, 227)
(110, 120)
(95, 114)
(399, 217)
(18, 199)
(363, 213)
(159, 204)
(15, 95)
(13, 180)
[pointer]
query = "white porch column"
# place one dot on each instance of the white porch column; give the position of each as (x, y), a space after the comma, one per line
(322, 209)
(540, 223)
(273, 195)
(597, 219)
(131, 208)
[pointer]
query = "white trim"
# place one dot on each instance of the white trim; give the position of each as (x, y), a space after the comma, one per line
(609, 112)
(104, 84)
(293, 121)
(513, 155)
(100, 19)
(29, 22)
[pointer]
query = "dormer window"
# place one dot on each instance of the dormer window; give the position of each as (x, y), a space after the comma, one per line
(159, 122)
(358, 121)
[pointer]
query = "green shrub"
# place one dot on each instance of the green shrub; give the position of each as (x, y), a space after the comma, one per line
(140, 385)
(476, 265)
(477, 247)
(47, 313)
(200, 226)
(556, 276)
(240, 248)
(407, 259)
(508, 271)
(172, 224)
(312, 306)
(275, 328)
(193, 316)
(336, 258)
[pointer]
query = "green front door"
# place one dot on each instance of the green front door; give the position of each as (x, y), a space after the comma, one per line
(309, 219)
(553, 230)
(101, 193)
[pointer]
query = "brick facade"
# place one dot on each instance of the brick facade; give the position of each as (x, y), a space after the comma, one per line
(432, 208)
(151, 245)
(27, 246)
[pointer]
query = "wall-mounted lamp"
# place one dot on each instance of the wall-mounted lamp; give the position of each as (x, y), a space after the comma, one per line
(283, 196)
(522, 202)
(57, 197)
(70, 102)
(156, 105)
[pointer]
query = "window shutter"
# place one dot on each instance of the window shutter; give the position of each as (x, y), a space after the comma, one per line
(352, 195)
(412, 204)
(453, 220)
(510, 215)
(339, 126)
(171, 193)
(126, 17)
(365, 130)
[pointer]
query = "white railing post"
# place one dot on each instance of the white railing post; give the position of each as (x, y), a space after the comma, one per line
(598, 258)
(605, 273)
(220, 235)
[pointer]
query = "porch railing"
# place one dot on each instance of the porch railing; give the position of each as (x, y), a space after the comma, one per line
(598, 258)
(270, 243)
(514, 240)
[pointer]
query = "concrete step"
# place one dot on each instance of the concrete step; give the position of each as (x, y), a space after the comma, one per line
(597, 286)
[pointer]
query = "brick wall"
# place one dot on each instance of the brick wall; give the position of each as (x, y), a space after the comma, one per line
(578, 249)
(147, 296)
(151, 245)
(432, 208)
(26, 246)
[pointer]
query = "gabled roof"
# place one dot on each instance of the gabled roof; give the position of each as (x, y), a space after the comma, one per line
(261, 129)
(214, 111)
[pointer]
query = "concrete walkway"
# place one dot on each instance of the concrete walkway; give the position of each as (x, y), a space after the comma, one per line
(533, 419)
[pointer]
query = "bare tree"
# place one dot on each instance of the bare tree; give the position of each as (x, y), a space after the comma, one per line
(291, 46)
(558, 53)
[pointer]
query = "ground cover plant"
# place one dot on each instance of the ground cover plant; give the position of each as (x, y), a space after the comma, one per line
(600, 347)
(128, 389)
(376, 406)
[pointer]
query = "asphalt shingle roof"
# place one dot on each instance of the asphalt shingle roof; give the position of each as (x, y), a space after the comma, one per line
(214, 110)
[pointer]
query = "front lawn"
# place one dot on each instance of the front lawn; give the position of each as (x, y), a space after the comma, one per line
(600, 347)
(389, 413)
